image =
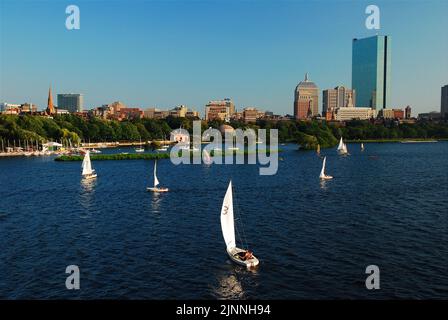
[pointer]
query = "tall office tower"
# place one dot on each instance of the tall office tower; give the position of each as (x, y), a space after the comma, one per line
(371, 68)
(306, 99)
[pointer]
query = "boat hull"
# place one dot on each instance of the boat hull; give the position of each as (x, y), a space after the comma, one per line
(250, 263)
(152, 189)
(90, 176)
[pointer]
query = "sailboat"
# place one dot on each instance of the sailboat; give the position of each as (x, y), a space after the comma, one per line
(362, 146)
(318, 149)
(140, 148)
(341, 143)
(342, 147)
(238, 255)
(87, 171)
(156, 182)
(322, 175)
(206, 157)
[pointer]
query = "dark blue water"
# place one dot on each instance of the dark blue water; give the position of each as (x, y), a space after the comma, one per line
(387, 206)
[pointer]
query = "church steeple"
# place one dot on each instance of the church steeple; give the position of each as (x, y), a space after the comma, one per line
(50, 106)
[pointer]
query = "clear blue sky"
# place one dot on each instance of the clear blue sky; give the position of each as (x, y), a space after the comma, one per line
(164, 53)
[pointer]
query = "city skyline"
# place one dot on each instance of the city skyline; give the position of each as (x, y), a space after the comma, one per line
(145, 61)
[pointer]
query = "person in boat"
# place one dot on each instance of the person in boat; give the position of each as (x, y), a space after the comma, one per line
(246, 255)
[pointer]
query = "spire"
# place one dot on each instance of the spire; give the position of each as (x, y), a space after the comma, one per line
(306, 76)
(350, 101)
(50, 107)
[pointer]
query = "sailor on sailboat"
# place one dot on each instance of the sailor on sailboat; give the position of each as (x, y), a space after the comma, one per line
(87, 171)
(239, 256)
(322, 175)
(156, 182)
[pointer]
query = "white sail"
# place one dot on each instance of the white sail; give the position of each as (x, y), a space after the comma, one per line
(156, 181)
(341, 143)
(206, 157)
(322, 172)
(86, 164)
(344, 148)
(227, 222)
(362, 146)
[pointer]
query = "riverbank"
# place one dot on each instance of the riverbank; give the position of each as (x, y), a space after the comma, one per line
(117, 156)
(154, 156)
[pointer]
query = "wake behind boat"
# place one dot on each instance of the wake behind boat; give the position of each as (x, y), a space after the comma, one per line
(156, 182)
(87, 171)
(239, 256)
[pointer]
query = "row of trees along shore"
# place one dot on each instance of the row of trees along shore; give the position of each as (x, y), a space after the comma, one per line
(307, 133)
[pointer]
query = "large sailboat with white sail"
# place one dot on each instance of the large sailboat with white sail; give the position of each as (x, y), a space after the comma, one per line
(87, 171)
(323, 175)
(240, 256)
(156, 182)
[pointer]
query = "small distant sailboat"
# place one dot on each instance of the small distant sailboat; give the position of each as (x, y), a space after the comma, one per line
(239, 256)
(156, 182)
(163, 148)
(140, 148)
(206, 157)
(322, 175)
(318, 149)
(362, 146)
(342, 148)
(87, 171)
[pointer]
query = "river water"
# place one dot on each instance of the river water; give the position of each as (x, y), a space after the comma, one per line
(386, 206)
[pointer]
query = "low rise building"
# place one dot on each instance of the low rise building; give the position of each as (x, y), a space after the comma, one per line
(351, 113)
(250, 114)
(433, 115)
(219, 110)
(391, 114)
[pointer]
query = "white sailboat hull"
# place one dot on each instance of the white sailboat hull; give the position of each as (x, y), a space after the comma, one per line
(90, 176)
(233, 254)
(155, 189)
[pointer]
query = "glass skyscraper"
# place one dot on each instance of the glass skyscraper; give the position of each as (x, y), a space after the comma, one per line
(371, 65)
